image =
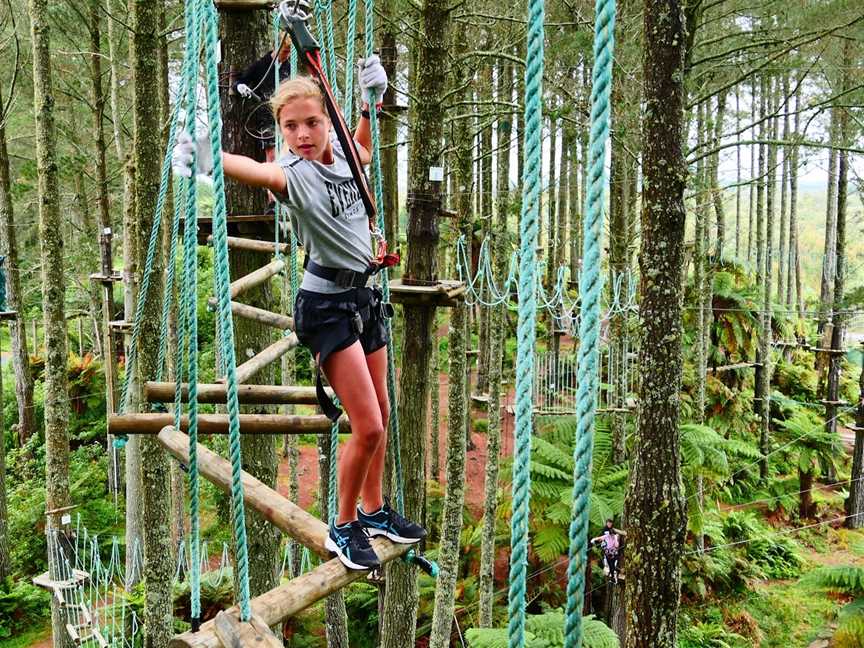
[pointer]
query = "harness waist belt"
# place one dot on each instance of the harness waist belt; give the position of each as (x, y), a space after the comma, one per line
(341, 277)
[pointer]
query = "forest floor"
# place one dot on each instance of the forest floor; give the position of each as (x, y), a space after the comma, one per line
(475, 460)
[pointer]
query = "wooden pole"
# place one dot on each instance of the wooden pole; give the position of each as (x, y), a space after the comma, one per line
(273, 507)
(163, 392)
(126, 424)
(269, 355)
(256, 278)
(292, 597)
(269, 318)
(253, 245)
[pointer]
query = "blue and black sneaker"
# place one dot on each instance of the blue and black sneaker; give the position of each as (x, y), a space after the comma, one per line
(388, 523)
(350, 543)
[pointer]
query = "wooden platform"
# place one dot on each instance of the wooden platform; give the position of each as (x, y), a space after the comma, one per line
(163, 392)
(8, 315)
(98, 277)
(126, 424)
(44, 581)
(733, 367)
(261, 227)
(445, 293)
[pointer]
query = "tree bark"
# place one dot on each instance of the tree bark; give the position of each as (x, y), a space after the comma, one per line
(244, 36)
(855, 502)
(335, 619)
(551, 196)
(400, 605)
(158, 564)
(493, 439)
(17, 333)
(782, 254)
(716, 189)
(454, 497)
(389, 124)
(56, 401)
(765, 335)
(655, 505)
(828, 260)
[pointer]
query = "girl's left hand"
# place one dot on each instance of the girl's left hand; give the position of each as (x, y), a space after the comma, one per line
(372, 78)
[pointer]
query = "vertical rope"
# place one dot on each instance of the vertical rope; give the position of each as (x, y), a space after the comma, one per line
(350, 37)
(527, 321)
(590, 289)
(331, 49)
(332, 464)
(378, 187)
(226, 325)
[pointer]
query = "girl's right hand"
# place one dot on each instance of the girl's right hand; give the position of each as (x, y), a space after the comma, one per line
(191, 156)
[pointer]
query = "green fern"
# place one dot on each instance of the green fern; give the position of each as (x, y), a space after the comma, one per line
(546, 631)
(847, 579)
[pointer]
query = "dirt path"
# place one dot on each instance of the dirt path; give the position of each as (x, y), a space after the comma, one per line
(475, 461)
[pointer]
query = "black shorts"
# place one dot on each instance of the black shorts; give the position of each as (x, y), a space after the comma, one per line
(326, 323)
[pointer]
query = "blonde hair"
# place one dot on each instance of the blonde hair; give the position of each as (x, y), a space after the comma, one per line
(300, 87)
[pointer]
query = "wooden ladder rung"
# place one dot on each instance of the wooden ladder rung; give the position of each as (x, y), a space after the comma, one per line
(256, 278)
(276, 320)
(232, 633)
(292, 597)
(239, 243)
(163, 392)
(126, 424)
(269, 355)
(278, 510)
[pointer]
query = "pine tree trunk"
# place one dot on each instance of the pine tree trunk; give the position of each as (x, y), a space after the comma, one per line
(435, 405)
(765, 334)
(705, 178)
(56, 401)
(115, 58)
(738, 174)
(716, 189)
(158, 564)
(244, 36)
(335, 619)
(838, 316)
(782, 254)
(755, 173)
(389, 123)
(400, 605)
(551, 196)
(805, 483)
(828, 260)
(485, 187)
(454, 497)
(855, 502)
(9, 248)
(493, 439)
(655, 541)
(791, 273)
(5, 566)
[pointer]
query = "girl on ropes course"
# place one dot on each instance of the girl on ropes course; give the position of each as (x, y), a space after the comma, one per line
(337, 314)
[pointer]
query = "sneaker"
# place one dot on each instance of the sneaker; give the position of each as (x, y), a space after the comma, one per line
(388, 523)
(350, 543)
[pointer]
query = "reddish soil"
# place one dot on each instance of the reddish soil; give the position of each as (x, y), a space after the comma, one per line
(475, 462)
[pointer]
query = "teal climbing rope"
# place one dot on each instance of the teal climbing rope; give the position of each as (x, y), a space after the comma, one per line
(378, 186)
(525, 333)
(226, 326)
(350, 37)
(590, 289)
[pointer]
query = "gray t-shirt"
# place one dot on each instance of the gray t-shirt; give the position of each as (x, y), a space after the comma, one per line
(327, 215)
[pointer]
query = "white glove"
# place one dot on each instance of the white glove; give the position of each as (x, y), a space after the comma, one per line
(372, 78)
(185, 150)
(244, 91)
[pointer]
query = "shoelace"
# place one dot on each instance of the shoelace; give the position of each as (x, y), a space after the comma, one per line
(358, 536)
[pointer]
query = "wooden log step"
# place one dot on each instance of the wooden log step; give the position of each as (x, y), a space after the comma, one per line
(282, 322)
(256, 278)
(8, 315)
(445, 293)
(232, 633)
(163, 392)
(244, 5)
(273, 507)
(292, 597)
(121, 325)
(125, 424)
(831, 351)
(238, 243)
(44, 581)
(269, 355)
(732, 367)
